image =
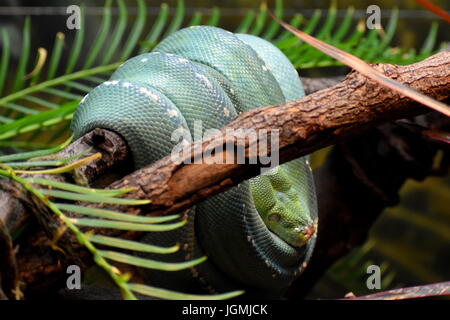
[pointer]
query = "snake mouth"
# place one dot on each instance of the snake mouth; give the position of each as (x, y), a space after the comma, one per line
(302, 236)
(305, 234)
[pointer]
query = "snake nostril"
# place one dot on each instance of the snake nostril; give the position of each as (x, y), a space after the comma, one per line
(309, 231)
(306, 233)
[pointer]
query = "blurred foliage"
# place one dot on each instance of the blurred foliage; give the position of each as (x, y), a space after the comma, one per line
(47, 192)
(410, 242)
(44, 94)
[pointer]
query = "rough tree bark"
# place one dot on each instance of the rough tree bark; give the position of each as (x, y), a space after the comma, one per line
(306, 125)
(318, 120)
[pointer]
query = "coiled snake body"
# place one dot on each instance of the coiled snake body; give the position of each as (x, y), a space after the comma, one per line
(258, 235)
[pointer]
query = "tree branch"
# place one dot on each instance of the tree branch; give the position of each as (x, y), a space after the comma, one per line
(304, 126)
(311, 85)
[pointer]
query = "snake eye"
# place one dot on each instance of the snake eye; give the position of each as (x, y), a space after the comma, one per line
(275, 217)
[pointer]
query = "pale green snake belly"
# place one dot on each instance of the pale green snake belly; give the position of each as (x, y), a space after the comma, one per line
(212, 75)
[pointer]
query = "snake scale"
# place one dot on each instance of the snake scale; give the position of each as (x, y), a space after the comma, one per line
(258, 235)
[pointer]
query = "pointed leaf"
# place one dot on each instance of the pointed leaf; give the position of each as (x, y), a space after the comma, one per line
(92, 198)
(167, 294)
(119, 225)
(364, 68)
(113, 215)
(150, 264)
(132, 245)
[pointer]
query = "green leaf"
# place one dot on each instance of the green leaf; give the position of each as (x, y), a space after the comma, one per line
(150, 264)
(20, 109)
(56, 55)
(260, 20)
(57, 81)
(344, 27)
(120, 225)
(34, 154)
(113, 215)
(295, 22)
(99, 41)
(132, 245)
(167, 294)
(215, 17)
(76, 188)
(177, 19)
(136, 31)
(19, 80)
(157, 28)
(430, 41)
(196, 19)
(4, 60)
(62, 94)
(37, 121)
(117, 34)
(274, 26)
(92, 198)
(77, 44)
(245, 25)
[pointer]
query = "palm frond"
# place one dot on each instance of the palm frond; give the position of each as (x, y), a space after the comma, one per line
(351, 271)
(49, 191)
(364, 68)
(48, 96)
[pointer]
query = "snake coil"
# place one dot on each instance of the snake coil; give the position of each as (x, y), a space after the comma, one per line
(212, 75)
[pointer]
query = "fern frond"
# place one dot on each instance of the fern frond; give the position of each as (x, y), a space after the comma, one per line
(132, 245)
(5, 59)
(113, 215)
(28, 97)
(19, 82)
(45, 191)
(34, 154)
(351, 272)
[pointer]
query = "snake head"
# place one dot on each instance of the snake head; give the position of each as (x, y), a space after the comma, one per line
(282, 202)
(289, 223)
(304, 233)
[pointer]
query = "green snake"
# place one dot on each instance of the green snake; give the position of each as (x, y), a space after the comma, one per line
(258, 235)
